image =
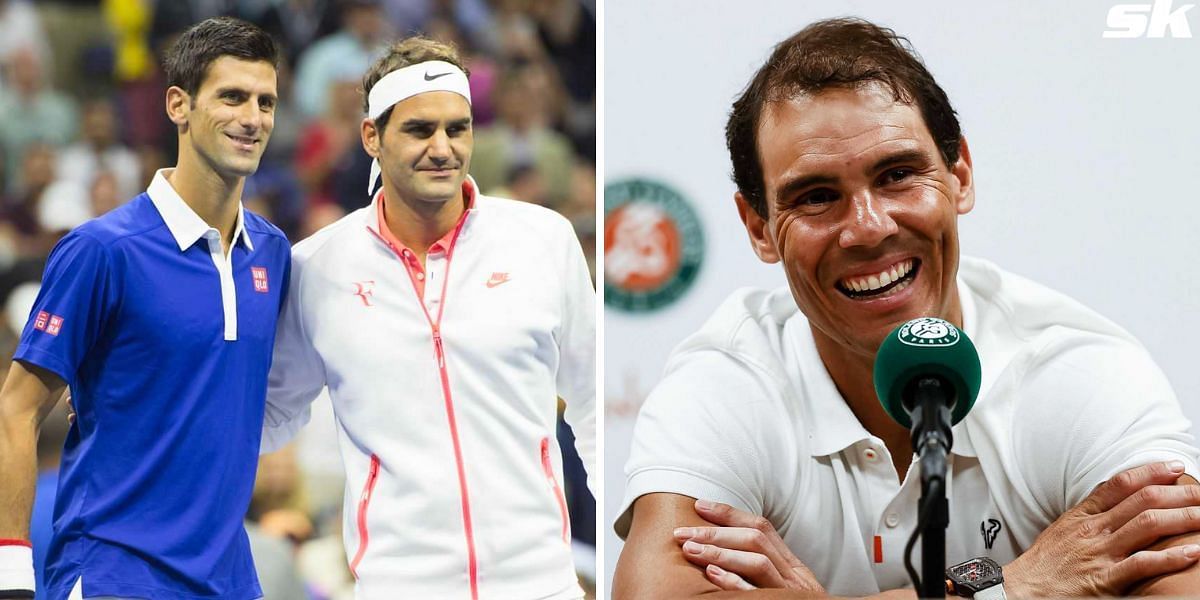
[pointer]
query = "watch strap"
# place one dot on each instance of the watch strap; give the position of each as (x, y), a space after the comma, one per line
(996, 592)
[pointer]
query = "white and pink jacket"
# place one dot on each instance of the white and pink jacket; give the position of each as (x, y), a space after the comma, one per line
(444, 381)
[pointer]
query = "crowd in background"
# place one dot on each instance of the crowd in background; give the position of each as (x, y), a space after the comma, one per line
(83, 129)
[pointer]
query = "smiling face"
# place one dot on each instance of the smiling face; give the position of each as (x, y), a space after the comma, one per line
(862, 211)
(425, 149)
(227, 123)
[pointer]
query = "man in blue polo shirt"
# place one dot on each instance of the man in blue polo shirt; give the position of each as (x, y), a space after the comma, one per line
(160, 316)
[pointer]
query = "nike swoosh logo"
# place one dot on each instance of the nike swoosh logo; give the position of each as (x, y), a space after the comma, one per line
(431, 78)
(498, 279)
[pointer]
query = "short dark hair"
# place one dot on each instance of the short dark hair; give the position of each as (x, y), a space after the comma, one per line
(405, 53)
(188, 60)
(834, 53)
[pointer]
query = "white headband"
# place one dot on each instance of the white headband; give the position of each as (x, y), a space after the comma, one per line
(401, 84)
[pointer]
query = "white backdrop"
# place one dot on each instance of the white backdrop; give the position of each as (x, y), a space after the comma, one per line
(1085, 151)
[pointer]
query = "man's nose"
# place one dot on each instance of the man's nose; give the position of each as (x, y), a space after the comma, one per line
(868, 222)
(439, 147)
(250, 117)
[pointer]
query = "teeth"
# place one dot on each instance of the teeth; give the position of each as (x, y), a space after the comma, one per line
(884, 278)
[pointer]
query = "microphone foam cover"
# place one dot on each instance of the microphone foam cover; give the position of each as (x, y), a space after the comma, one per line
(927, 346)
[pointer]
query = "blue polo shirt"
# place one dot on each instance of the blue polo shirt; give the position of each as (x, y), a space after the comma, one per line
(165, 342)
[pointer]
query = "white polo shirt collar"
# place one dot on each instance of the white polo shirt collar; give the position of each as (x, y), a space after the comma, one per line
(184, 224)
(188, 228)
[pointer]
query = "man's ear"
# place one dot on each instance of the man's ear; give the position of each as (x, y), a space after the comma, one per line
(756, 228)
(370, 137)
(179, 107)
(964, 172)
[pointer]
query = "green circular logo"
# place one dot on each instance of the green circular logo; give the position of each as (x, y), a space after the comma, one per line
(928, 331)
(653, 245)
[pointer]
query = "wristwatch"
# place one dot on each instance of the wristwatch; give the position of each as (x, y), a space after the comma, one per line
(978, 578)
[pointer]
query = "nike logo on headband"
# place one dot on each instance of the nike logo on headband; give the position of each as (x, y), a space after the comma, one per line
(428, 77)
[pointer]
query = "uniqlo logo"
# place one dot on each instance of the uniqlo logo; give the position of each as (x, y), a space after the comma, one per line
(260, 279)
(39, 323)
(55, 325)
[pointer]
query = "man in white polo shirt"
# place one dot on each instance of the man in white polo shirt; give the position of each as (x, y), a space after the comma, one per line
(446, 324)
(852, 171)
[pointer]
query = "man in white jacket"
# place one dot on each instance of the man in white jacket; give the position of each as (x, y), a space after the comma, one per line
(446, 324)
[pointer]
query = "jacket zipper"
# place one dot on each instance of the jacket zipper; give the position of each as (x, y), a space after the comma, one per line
(548, 469)
(472, 565)
(363, 501)
(440, 351)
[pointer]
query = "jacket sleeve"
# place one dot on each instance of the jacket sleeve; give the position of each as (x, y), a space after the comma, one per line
(576, 378)
(297, 373)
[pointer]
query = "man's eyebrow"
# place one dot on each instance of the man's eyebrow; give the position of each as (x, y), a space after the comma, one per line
(233, 89)
(460, 122)
(417, 123)
(806, 181)
(898, 158)
(803, 182)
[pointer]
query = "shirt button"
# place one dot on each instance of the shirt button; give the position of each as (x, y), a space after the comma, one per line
(420, 277)
(870, 454)
(892, 520)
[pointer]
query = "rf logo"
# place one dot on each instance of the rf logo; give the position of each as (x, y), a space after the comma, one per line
(1130, 21)
(989, 529)
(365, 290)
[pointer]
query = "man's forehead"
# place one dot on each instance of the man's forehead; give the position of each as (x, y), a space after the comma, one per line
(842, 125)
(250, 75)
(842, 115)
(436, 106)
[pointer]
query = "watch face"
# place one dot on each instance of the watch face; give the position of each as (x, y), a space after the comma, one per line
(976, 574)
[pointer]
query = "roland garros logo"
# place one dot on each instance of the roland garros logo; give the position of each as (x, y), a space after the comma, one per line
(653, 245)
(928, 331)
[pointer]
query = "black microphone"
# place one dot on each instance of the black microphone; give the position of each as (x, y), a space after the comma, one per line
(927, 376)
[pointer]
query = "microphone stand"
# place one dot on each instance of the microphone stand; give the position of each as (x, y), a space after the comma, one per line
(931, 439)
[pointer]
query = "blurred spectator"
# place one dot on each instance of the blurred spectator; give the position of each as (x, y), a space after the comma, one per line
(278, 504)
(129, 21)
(31, 111)
(522, 135)
(363, 35)
(82, 42)
(580, 208)
(324, 565)
(414, 16)
(524, 183)
(21, 27)
(22, 210)
(297, 23)
(327, 144)
(104, 193)
(275, 563)
(568, 32)
(98, 149)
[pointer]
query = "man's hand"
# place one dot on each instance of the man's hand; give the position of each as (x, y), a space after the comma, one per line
(1097, 547)
(743, 552)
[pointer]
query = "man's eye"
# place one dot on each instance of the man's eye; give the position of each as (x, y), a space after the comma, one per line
(896, 175)
(817, 197)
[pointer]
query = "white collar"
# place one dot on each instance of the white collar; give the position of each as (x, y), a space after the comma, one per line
(184, 224)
